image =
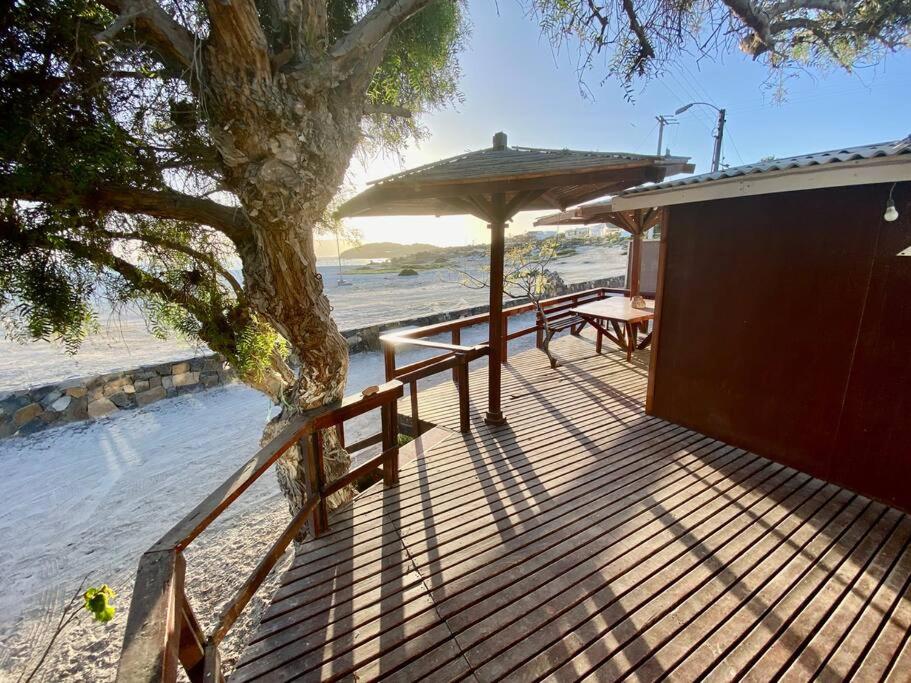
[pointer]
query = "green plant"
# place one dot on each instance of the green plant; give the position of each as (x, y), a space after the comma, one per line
(97, 601)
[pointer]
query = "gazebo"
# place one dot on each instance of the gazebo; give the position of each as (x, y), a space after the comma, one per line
(494, 184)
(635, 221)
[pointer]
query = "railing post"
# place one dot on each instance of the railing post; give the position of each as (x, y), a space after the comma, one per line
(213, 672)
(192, 643)
(464, 419)
(415, 418)
(151, 645)
(314, 476)
(456, 339)
(340, 430)
(389, 360)
(388, 418)
(504, 349)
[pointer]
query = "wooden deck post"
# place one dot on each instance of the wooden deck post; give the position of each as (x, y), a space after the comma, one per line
(390, 427)
(415, 418)
(504, 347)
(464, 418)
(457, 340)
(313, 473)
(494, 414)
(151, 645)
(389, 360)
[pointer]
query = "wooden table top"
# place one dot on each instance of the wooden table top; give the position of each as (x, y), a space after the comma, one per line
(616, 308)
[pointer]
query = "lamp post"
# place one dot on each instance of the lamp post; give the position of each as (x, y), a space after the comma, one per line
(716, 153)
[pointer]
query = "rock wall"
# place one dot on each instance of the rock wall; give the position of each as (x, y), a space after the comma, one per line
(31, 410)
(90, 398)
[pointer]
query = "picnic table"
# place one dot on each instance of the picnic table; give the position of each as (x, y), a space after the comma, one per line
(623, 319)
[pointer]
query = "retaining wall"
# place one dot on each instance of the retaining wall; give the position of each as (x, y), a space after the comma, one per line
(90, 398)
(93, 397)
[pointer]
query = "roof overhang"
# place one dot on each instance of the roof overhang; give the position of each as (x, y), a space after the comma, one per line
(634, 221)
(497, 182)
(551, 191)
(840, 174)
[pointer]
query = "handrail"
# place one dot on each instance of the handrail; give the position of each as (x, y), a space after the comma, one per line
(405, 339)
(161, 628)
(458, 356)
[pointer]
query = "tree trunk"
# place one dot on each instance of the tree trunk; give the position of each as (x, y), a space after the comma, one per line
(285, 143)
(288, 290)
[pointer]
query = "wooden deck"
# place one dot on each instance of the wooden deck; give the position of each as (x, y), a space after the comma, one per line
(587, 540)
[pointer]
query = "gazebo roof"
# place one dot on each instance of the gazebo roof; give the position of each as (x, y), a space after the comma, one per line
(527, 179)
(631, 220)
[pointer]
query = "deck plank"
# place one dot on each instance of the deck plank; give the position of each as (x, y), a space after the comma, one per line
(589, 540)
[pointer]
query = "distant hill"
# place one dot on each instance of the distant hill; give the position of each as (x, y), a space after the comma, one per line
(325, 247)
(387, 250)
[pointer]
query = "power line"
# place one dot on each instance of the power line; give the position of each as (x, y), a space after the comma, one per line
(693, 95)
(730, 138)
(646, 137)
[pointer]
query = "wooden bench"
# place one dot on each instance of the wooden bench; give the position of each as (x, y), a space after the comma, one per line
(559, 317)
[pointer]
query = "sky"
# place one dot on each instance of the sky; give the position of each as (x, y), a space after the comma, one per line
(513, 81)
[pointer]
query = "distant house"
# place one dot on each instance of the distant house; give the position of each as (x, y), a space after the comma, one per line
(541, 234)
(584, 231)
(784, 312)
(579, 232)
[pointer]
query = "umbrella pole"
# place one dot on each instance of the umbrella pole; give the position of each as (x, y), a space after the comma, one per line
(494, 414)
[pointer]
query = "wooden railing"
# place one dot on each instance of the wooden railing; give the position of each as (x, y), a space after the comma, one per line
(162, 630)
(457, 357)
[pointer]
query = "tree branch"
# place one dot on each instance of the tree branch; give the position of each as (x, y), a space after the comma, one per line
(767, 24)
(356, 45)
(105, 259)
(182, 248)
(172, 42)
(757, 21)
(786, 6)
(129, 200)
(238, 36)
(391, 110)
(646, 51)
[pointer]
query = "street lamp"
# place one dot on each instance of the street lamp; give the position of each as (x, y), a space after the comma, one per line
(716, 153)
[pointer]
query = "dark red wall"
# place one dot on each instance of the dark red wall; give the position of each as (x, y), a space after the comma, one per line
(785, 328)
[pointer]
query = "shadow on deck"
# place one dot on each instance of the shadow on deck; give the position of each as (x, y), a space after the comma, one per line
(586, 539)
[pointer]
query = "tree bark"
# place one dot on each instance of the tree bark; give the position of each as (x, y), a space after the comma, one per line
(285, 141)
(284, 286)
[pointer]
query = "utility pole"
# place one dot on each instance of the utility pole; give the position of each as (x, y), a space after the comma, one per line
(716, 152)
(716, 156)
(662, 122)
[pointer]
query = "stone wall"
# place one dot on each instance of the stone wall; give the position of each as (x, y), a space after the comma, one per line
(89, 398)
(31, 410)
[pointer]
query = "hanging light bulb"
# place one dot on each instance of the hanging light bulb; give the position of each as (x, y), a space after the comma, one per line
(891, 213)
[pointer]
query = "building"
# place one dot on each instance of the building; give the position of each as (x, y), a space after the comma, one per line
(541, 234)
(783, 312)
